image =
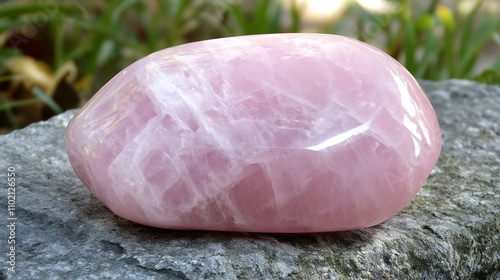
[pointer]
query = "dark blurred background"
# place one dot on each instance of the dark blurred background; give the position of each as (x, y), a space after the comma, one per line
(55, 54)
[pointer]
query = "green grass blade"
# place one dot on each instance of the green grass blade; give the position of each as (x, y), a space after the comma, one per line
(467, 28)
(46, 99)
(14, 10)
(79, 52)
(106, 52)
(239, 17)
(58, 31)
(342, 23)
(431, 49)
(482, 35)
(432, 7)
(153, 33)
(6, 53)
(274, 21)
(259, 19)
(409, 43)
(13, 24)
(295, 27)
(7, 105)
(449, 46)
(120, 9)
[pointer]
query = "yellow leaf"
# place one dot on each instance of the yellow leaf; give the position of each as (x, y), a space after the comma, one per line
(446, 16)
(32, 72)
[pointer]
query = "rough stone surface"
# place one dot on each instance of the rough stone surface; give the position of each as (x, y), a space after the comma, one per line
(451, 230)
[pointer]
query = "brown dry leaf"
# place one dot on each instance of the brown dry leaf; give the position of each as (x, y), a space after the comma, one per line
(35, 73)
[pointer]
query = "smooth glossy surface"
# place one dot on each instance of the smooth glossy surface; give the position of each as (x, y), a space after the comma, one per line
(269, 133)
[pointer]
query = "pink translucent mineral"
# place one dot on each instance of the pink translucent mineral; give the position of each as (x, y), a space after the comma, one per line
(266, 133)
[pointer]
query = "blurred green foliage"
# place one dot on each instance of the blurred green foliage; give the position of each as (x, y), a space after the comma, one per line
(79, 45)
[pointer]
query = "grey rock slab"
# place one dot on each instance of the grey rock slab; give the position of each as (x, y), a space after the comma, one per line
(451, 230)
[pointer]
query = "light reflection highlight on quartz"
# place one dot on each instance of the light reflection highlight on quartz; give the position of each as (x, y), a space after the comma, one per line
(337, 139)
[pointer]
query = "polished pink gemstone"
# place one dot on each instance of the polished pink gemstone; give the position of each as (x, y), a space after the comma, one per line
(266, 133)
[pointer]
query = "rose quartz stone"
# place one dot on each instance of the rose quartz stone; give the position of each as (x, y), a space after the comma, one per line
(266, 133)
